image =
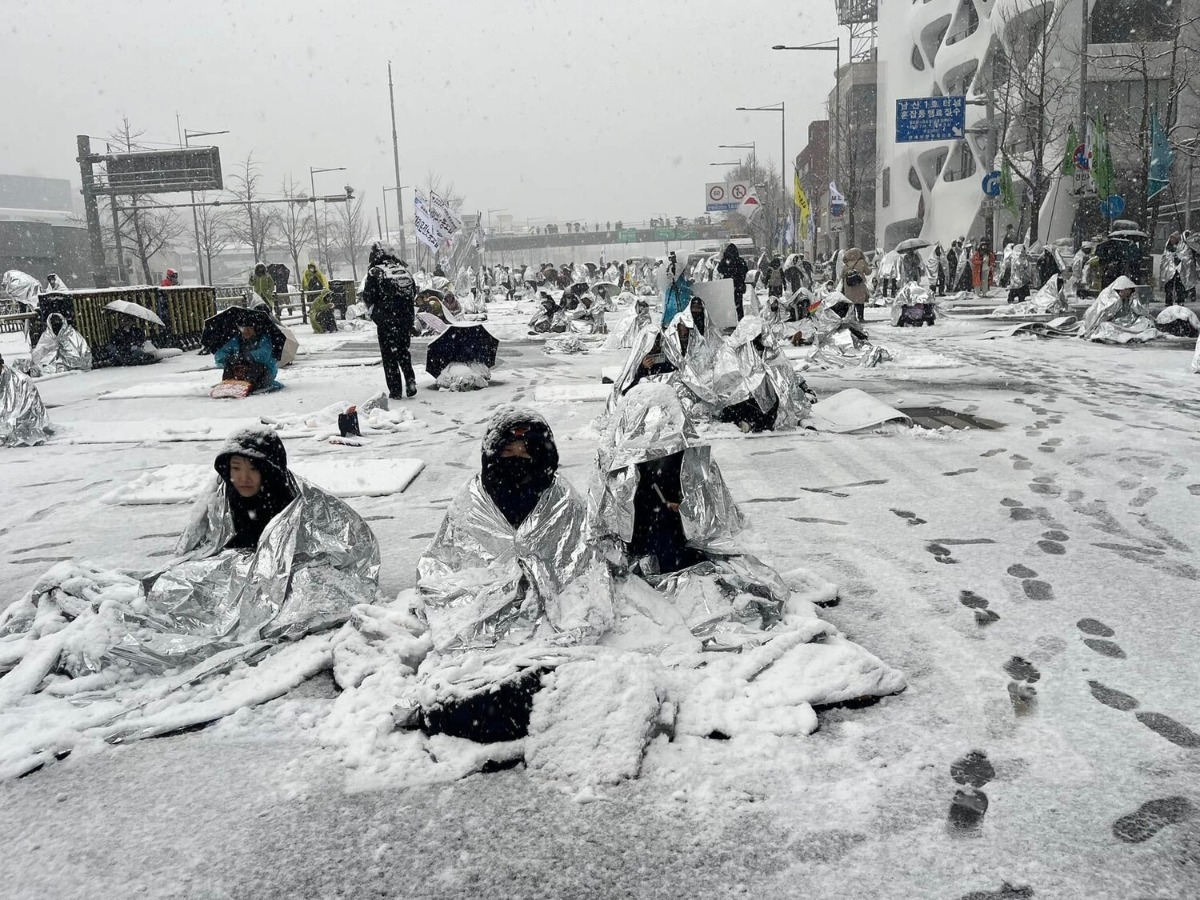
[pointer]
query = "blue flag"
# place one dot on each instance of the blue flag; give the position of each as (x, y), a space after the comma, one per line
(1162, 157)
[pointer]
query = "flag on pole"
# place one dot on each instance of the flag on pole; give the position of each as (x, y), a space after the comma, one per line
(1068, 165)
(448, 223)
(750, 205)
(424, 224)
(1162, 157)
(1103, 174)
(802, 204)
(1007, 195)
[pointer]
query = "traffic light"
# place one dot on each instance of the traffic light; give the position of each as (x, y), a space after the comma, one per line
(349, 192)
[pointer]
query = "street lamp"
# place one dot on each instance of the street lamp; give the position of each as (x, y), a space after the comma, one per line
(736, 162)
(835, 46)
(750, 146)
(187, 136)
(316, 221)
(782, 110)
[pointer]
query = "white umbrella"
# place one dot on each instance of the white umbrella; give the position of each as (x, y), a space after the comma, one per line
(290, 346)
(913, 244)
(135, 310)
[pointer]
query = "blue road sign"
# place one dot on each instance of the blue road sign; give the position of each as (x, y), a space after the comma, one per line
(991, 184)
(930, 119)
(1113, 206)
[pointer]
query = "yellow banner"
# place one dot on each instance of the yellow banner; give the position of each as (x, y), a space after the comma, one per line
(802, 204)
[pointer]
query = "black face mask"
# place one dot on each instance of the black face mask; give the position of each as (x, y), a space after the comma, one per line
(515, 485)
(698, 320)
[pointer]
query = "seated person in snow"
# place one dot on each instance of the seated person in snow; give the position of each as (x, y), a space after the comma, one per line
(127, 345)
(588, 317)
(550, 319)
(60, 349)
(265, 556)
(659, 504)
(23, 421)
(511, 549)
(248, 356)
(1117, 316)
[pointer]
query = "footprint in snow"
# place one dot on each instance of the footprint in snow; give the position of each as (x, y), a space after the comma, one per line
(970, 804)
(1098, 631)
(1151, 818)
(991, 453)
(959, 472)
(1114, 698)
(911, 517)
(1194, 490)
(1006, 892)
(1034, 589)
(941, 554)
(983, 615)
(1144, 496)
(1021, 463)
(1021, 691)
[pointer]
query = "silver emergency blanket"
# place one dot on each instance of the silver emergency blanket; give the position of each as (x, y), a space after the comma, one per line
(1111, 320)
(1195, 367)
(23, 420)
(650, 424)
(588, 318)
(1050, 300)
(1021, 268)
(314, 561)
(747, 365)
(66, 351)
(636, 317)
(486, 584)
(17, 285)
(912, 294)
(471, 376)
(839, 343)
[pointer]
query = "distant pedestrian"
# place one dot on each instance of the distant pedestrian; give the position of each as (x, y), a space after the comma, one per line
(855, 270)
(388, 294)
(263, 285)
(172, 279)
(733, 266)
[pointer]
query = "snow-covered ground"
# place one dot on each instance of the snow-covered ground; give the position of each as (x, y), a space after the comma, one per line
(1035, 583)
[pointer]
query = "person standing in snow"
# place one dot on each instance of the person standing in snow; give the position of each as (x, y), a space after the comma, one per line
(55, 284)
(388, 294)
(263, 285)
(733, 266)
(983, 267)
(855, 270)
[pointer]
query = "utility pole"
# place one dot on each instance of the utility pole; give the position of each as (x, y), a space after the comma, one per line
(1084, 40)
(378, 224)
(83, 146)
(396, 158)
(118, 249)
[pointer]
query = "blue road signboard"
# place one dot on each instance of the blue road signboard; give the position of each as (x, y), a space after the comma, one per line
(991, 184)
(930, 119)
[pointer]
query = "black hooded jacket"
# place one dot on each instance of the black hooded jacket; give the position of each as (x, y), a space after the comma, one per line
(733, 266)
(251, 514)
(514, 483)
(389, 291)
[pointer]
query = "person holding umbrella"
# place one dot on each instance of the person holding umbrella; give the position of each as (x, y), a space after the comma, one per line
(249, 356)
(388, 294)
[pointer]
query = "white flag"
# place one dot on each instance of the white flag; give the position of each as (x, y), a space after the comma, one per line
(448, 223)
(750, 205)
(424, 224)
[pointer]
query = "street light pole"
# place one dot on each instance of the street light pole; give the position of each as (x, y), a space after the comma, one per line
(316, 219)
(835, 46)
(782, 110)
(187, 136)
(396, 158)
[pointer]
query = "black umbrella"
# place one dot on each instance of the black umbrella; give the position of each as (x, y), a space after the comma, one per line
(220, 329)
(460, 344)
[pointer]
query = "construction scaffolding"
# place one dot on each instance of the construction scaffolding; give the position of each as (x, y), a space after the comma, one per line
(859, 17)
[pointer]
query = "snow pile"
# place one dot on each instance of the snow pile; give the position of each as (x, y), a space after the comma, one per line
(565, 393)
(183, 483)
(374, 418)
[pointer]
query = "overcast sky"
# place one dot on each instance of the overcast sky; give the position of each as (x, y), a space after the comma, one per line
(550, 109)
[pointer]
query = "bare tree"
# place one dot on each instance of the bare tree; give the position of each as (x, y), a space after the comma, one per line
(212, 231)
(1157, 75)
(765, 226)
(296, 223)
(352, 230)
(144, 231)
(856, 175)
(255, 225)
(1032, 84)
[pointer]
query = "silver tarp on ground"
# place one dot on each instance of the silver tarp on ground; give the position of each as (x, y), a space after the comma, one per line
(650, 424)
(315, 560)
(840, 343)
(23, 420)
(484, 583)
(1050, 300)
(66, 351)
(1111, 320)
